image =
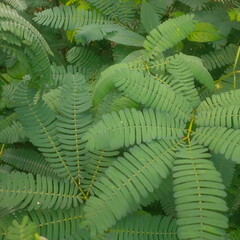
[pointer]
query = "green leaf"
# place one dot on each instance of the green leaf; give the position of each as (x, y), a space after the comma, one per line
(126, 37)
(149, 16)
(205, 32)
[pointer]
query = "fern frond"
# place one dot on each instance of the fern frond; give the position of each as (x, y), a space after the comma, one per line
(168, 34)
(18, 4)
(219, 58)
(19, 36)
(84, 58)
(129, 126)
(25, 230)
(23, 191)
(183, 81)
(219, 117)
(72, 122)
(144, 227)
(4, 168)
(199, 193)
(69, 18)
(124, 11)
(195, 4)
(39, 122)
(51, 98)
(7, 96)
(11, 130)
(126, 182)
(161, 6)
(95, 167)
(220, 140)
(27, 160)
(143, 89)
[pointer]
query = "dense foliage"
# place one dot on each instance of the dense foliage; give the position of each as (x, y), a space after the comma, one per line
(119, 119)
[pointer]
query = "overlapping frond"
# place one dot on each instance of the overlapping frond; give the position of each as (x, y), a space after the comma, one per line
(72, 122)
(220, 140)
(144, 89)
(145, 227)
(27, 160)
(123, 11)
(219, 58)
(129, 126)
(20, 38)
(11, 130)
(7, 96)
(18, 4)
(199, 195)
(168, 34)
(126, 182)
(69, 18)
(21, 190)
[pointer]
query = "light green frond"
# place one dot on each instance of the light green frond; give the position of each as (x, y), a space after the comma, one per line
(183, 79)
(21, 38)
(129, 126)
(144, 89)
(199, 195)
(18, 4)
(27, 160)
(123, 11)
(219, 58)
(73, 120)
(21, 190)
(220, 117)
(25, 230)
(126, 182)
(144, 227)
(222, 100)
(220, 140)
(69, 18)
(84, 58)
(168, 34)
(95, 167)
(11, 130)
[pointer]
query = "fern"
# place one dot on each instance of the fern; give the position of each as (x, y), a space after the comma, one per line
(18, 4)
(168, 34)
(198, 192)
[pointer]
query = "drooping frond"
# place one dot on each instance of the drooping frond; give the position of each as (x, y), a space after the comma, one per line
(72, 122)
(84, 58)
(95, 167)
(123, 11)
(27, 160)
(21, 190)
(199, 193)
(219, 58)
(143, 89)
(129, 126)
(126, 182)
(69, 18)
(20, 38)
(168, 34)
(25, 230)
(220, 140)
(11, 130)
(18, 4)
(145, 227)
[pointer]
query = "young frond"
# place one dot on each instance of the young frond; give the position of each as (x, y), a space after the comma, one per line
(199, 195)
